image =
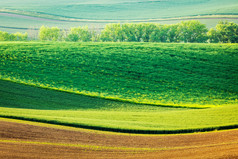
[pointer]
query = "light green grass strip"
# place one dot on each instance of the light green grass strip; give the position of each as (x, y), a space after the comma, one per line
(169, 120)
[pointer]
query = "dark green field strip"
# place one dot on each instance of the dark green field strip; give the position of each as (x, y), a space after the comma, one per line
(14, 95)
(192, 75)
(19, 101)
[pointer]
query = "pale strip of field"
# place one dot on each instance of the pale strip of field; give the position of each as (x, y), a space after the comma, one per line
(26, 16)
(92, 147)
(45, 17)
(98, 148)
(69, 128)
(13, 150)
(15, 131)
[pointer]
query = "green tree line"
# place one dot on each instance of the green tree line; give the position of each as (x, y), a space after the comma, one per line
(5, 36)
(186, 31)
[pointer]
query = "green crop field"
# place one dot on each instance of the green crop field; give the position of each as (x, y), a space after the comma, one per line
(187, 75)
(36, 104)
(139, 87)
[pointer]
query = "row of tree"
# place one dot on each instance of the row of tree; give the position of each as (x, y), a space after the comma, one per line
(5, 36)
(75, 34)
(185, 31)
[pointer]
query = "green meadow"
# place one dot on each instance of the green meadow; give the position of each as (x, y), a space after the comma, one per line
(184, 75)
(24, 102)
(128, 87)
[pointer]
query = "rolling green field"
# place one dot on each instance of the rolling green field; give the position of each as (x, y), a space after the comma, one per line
(186, 75)
(129, 87)
(13, 24)
(42, 105)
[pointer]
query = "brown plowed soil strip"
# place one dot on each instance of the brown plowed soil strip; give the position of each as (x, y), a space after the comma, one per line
(18, 140)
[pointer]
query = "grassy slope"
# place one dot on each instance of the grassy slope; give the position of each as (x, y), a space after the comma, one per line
(31, 103)
(48, 64)
(192, 75)
(124, 9)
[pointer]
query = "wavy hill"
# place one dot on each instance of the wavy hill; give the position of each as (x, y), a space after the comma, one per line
(123, 9)
(121, 86)
(29, 16)
(186, 75)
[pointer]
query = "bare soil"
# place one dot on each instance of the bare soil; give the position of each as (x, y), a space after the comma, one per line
(21, 140)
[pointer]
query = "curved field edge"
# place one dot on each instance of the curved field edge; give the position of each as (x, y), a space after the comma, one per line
(28, 136)
(35, 104)
(118, 130)
(62, 18)
(78, 129)
(99, 95)
(128, 122)
(16, 95)
(185, 75)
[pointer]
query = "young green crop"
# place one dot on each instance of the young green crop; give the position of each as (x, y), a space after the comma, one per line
(191, 75)
(42, 105)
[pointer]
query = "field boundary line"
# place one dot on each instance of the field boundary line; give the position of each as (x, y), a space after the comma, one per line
(121, 130)
(93, 95)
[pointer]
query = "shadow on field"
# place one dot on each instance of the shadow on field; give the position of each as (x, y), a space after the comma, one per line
(14, 95)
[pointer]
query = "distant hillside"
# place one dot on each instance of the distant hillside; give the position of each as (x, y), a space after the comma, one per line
(123, 9)
(28, 15)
